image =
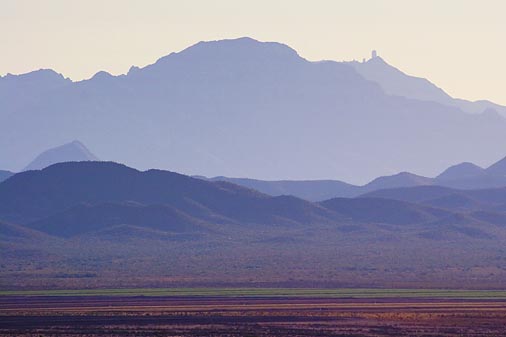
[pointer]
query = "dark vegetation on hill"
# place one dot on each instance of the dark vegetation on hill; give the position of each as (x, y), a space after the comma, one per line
(118, 226)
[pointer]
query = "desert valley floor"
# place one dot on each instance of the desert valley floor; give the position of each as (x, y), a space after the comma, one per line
(230, 315)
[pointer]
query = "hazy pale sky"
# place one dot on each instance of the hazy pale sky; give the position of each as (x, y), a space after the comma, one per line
(457, 44)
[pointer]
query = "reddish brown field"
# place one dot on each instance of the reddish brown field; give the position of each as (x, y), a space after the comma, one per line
(208, 316)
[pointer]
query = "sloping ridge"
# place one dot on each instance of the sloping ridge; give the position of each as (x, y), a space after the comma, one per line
(395, 82)
(498, 168)
(86, 196)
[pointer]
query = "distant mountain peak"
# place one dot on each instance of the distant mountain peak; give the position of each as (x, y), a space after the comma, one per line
(402, 179)
(460, 171)
(133, 69)
(242, 42)
(73, 151)
(244, 48)
(216, 106)
(102, 75)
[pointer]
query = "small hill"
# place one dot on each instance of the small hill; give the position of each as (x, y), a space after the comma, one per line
(403, 179)
(460, 171)
(480, 181)
(470, 176)
(73, 151)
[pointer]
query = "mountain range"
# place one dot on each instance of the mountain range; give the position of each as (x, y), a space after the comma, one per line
(247, 108)
(461, 176)
(127, 227)
(244, 108)
(35, 195)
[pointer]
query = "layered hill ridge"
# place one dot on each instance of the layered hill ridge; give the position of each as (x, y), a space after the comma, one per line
(34, 195)
(241, 108)
(403, 179)
(461, 176)
(74, 198)
(102, 223)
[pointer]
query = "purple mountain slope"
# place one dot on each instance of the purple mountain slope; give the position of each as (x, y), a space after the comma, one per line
(395, 82)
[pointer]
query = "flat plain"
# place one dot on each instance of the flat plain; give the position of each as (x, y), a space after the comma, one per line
(253, 312)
